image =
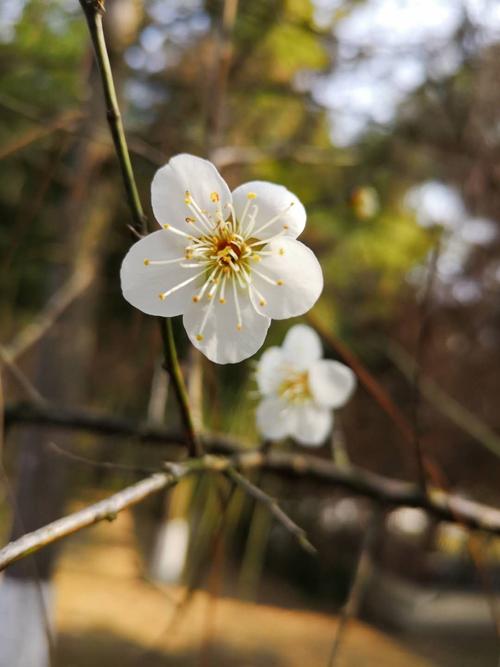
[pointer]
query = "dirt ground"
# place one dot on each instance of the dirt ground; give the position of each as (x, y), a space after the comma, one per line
(107, 614)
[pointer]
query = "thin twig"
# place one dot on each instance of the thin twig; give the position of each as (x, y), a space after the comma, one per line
(174, 370)
(370, 383)
(61, 122)
(262, 497)
(93, 14)
(358, 585)
(457, 413)
(422, 338)
(44, 320)
(93, 10)
(22, 380)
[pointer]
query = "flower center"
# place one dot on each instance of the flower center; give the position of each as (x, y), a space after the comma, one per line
(226, 251)
(295, 387)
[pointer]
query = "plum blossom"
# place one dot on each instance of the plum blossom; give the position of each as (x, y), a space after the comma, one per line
(299, 389)
(228, 262)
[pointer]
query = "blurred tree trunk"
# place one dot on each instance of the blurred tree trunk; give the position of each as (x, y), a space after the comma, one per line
(61, 369)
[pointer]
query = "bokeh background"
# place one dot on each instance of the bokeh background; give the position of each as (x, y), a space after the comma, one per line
(383, 116)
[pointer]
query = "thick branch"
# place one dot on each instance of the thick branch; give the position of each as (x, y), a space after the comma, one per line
(384, 490)
(105, 509)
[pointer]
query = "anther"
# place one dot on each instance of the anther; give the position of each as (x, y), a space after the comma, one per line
(188, 219)
(199, 337)
(239, 327)
(146, 262)
(222, 300)
(215, 197)
(281, 251)
(262, 302)
(162, 296)
(187, 198)
(196, 299)
(286, 227)
(166, 226)
(279, 282)
(251, 195)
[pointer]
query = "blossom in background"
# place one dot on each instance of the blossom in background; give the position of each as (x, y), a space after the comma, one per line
(299, 389)
(228, 262)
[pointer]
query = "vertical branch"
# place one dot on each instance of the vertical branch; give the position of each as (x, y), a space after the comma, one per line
(174, 370)
(423, 336)
(93, 10)
(358, 585)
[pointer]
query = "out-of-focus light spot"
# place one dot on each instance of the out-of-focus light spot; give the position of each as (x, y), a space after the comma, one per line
(408, 521)
(435, 203)
(365, 202)
(479, 231)
(466, 291)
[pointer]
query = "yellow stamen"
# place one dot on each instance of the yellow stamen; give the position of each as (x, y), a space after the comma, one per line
(279, 282)
(251, 195)
(146, 262)
(215, 197)
(199, 337)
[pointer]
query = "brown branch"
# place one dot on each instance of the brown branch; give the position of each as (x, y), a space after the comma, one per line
(61, 122)
(360, 579)
(44, 320)
(440, 400)
(386, 491)
(273, 507)
(370, 383)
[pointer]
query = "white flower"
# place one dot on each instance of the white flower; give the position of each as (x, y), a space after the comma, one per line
(228, 262)
(300, 389)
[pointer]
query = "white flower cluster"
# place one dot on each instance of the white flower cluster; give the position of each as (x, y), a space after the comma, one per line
(229, 262)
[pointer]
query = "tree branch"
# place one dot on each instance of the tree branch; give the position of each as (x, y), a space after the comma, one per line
(105, 509)
(93, 10)
(384, 490)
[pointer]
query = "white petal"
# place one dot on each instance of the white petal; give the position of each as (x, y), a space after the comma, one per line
(275, 418)
(295, 275)
(271, 201)
(331, 383)
(271, 370)
(313, 424)
(221, 341)
(302, 346)
(186, 173)
(142, 285)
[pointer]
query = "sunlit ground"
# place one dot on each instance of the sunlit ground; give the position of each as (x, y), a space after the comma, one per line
(108, 613)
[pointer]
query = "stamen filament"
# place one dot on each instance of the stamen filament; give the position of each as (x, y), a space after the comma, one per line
(164, 295)
(239, 324)
(275, 219)
(163, 262)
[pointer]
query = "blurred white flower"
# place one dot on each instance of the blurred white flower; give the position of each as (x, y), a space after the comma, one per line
(300, 389)
(228, 262)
